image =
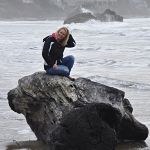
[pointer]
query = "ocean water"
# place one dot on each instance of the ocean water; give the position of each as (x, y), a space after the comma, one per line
(116, 54)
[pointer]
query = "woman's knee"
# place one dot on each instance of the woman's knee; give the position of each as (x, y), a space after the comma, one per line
(71, 57)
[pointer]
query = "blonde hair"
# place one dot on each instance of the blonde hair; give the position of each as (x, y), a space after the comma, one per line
(64, 42)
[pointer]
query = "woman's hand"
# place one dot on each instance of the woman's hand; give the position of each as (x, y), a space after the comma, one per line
(54, 66)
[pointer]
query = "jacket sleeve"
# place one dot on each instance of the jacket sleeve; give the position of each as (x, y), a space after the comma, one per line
(71, 42)
(45, 52)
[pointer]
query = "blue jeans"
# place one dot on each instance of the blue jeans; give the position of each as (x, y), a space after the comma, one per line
(64, 68)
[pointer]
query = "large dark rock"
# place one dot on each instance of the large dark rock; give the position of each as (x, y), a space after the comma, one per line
(89, 127)
(79, 18)
(109, 16)
(71, 114)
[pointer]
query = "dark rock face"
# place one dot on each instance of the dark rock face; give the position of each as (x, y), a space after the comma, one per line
(109, 16)
(89, 127)
(71, 114)
(134, 131)
(79, 18)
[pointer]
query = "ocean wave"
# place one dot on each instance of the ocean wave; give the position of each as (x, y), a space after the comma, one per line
(96, 25)
(120, 83)
(24, 131)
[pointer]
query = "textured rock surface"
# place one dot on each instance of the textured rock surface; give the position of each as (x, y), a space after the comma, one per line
(109, 16)
(79, 18)
(58, 110)
(89, 127)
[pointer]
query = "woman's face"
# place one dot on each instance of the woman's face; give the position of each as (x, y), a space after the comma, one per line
(61, 35)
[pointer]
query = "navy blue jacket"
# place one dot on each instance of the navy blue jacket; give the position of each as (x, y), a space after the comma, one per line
(52, 50)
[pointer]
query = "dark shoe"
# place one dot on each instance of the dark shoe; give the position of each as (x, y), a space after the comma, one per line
(72, 79)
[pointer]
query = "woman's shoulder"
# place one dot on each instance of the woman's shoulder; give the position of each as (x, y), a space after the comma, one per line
(48, 38)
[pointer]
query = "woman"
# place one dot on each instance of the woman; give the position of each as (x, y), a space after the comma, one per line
(54, 46)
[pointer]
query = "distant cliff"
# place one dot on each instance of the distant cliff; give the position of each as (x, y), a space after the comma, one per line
(59, 9)
(126, 8)
(30, 9)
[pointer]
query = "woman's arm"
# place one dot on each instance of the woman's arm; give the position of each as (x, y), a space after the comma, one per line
(45, 52)
(71, 42)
